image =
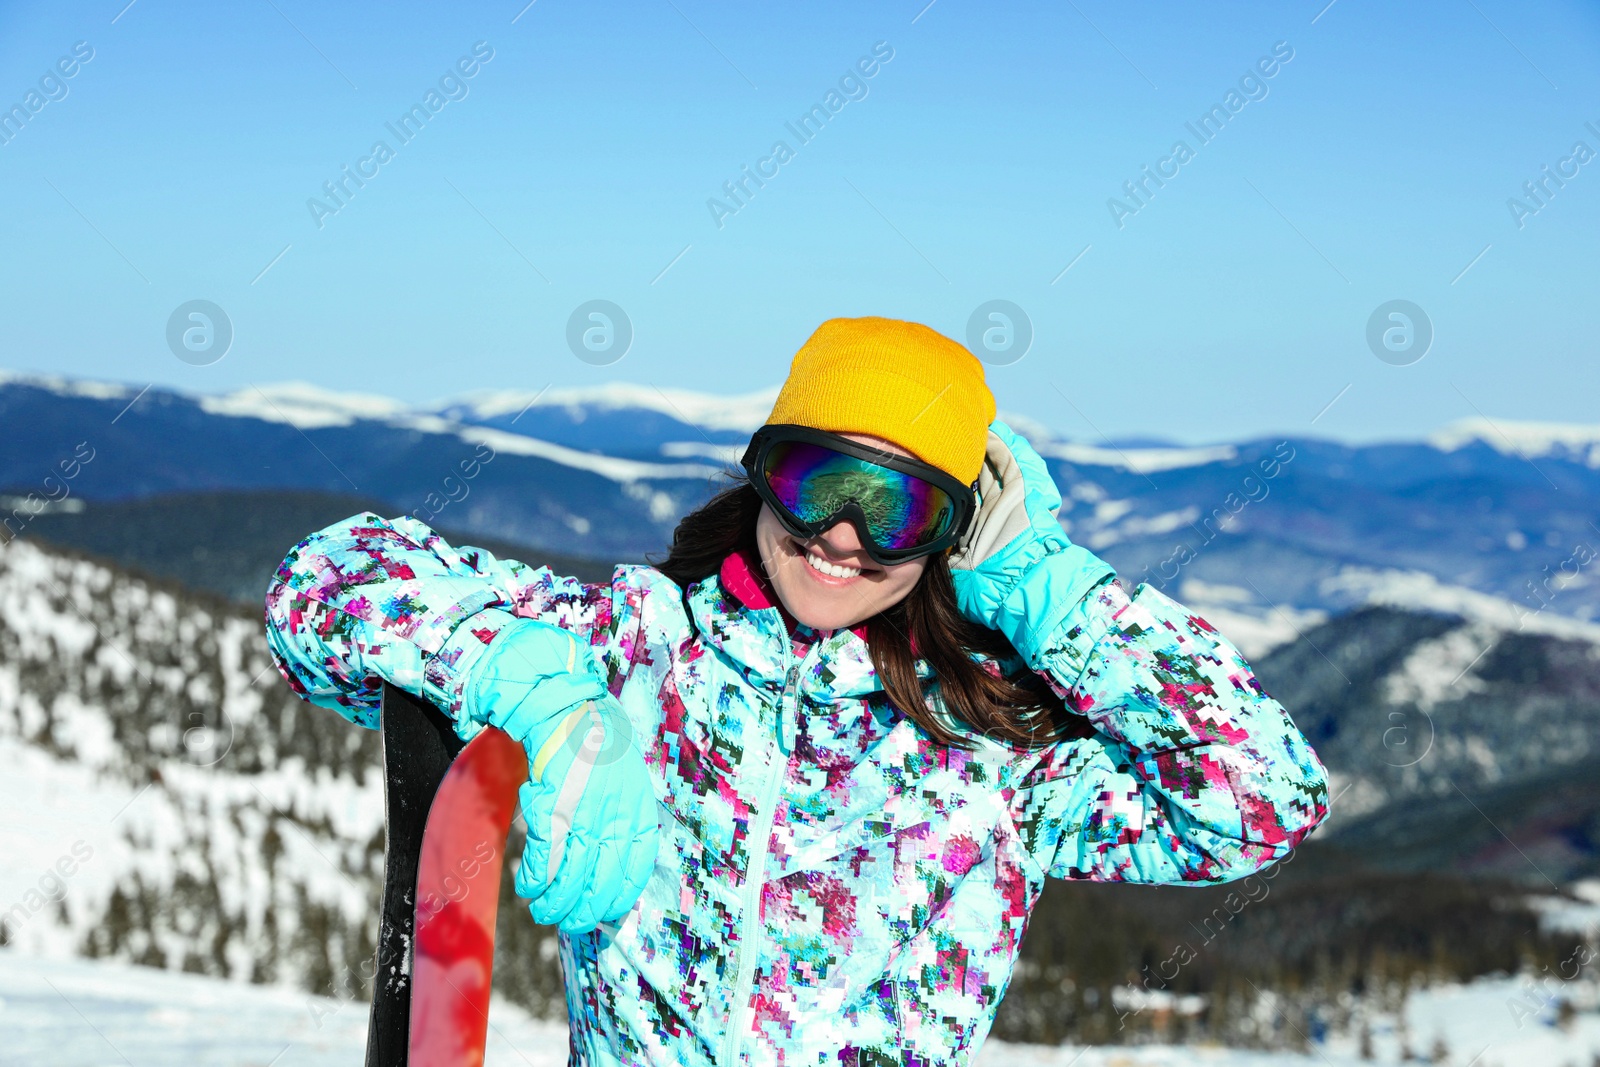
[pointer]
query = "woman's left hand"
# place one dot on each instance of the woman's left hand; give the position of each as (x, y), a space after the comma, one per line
(1016, 571)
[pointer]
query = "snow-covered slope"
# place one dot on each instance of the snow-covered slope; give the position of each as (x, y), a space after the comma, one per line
(85, 1014)
(301, 404)
(169, 802)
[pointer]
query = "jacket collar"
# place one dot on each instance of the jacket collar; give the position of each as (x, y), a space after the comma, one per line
(745, 579)
(736, 611)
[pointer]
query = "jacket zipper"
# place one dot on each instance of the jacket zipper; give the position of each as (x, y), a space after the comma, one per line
(755, 875)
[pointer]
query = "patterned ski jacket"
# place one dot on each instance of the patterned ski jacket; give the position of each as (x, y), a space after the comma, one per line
(832, 886)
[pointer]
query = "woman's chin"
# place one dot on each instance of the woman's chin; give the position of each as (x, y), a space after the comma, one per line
(821, 608)
(827, 618)
(805, 605)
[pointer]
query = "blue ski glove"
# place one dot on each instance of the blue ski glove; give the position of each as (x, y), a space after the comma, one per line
(588, 802)
(1016, 571)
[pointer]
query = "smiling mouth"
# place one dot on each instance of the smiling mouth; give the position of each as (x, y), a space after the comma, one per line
(827, 568)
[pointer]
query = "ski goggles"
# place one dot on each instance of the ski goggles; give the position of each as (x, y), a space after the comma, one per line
(900, 507)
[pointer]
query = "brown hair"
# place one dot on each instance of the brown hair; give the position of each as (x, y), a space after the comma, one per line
(1019, 710)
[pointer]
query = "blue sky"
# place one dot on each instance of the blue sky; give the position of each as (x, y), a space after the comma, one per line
(975, 164)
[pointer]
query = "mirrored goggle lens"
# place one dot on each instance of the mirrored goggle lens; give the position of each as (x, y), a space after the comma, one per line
(814, 482)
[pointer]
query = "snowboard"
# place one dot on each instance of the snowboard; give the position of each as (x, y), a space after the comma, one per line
(448, 807)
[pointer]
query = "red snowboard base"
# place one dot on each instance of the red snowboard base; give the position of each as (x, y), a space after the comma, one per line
(458, 894)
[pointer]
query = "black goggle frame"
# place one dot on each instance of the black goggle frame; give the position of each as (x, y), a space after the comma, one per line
(962, 497)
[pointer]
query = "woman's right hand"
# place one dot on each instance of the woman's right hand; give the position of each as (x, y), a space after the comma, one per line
(1016, 570)
(589, 804)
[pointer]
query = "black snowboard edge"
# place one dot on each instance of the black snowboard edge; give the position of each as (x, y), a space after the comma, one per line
(419, 744)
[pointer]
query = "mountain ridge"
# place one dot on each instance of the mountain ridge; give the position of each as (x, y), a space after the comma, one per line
(742, 412)
(1282, 531)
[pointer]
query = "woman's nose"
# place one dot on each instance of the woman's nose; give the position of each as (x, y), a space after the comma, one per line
(841, 539)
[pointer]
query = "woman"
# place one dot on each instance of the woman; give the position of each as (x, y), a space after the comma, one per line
(794, 791)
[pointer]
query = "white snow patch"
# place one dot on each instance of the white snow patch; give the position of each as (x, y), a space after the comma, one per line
(745, 412)
(69, 848)
(1439, 669)
(727, 455)
(1523, 439)
(1418, 590)
(1086, 491)
(1580, 916)
(91, 390)
(301, 404)
(618, 470)
(83, 1013)
(1107, 512)
(1141, 525)
(1353, 795)
(661, 505)
(308, 407)
(38, 505)
(1216, 592)
(1137, 460)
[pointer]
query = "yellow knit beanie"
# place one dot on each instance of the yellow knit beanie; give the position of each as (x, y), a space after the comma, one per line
(900, 381)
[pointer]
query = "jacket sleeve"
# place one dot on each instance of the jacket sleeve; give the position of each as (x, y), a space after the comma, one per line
(1191, 772)
(369, 600)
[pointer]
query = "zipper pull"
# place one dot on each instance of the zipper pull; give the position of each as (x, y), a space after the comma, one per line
(788, 711)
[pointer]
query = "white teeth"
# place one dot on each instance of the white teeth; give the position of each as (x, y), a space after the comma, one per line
(832, 570)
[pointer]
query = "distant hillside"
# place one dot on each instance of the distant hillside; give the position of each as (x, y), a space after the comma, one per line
(1540, 829)
(1431, 713)
(230, 542)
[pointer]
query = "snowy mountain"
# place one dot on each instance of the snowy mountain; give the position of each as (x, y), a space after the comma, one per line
(1272, 535)
(127, 445)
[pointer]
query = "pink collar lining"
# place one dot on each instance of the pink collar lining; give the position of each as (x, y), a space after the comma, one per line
(742, 576)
